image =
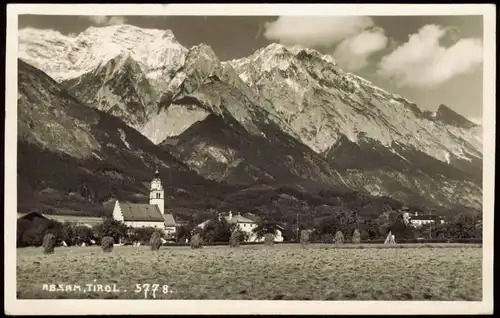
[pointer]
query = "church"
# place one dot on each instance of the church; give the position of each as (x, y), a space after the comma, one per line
(147, 215)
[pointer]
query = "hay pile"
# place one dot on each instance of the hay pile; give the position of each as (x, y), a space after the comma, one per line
(304, 238)
(155, 241)
(356, 237)
(107, 244)
(196, 241)
(234, 240)
(269, 239)
(339, 238)
(49, 242)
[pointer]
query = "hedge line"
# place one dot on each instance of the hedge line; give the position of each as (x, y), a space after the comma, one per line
(425, 241)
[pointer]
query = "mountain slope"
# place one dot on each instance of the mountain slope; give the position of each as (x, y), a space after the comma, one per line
(118, 87)
(242, 146)
(321, 102)
(67, 149)
(338, 129)
(73, 158)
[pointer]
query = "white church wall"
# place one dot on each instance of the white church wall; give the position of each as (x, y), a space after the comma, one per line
(117, 212)
(159, 225)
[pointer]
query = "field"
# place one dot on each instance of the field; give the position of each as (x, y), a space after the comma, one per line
(285, 271)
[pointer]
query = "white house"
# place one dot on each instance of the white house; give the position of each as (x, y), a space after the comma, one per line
(419, 220)
(246, 225)
(147, 215)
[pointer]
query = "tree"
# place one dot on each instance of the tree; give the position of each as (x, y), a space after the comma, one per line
(141, 234)
(216, 230)
(183, 233)
(83, 234)
(289, 233)
(112, 228)
(264, 227)
(67, 233)
(402, 230)
(372, 229)
(464, 226)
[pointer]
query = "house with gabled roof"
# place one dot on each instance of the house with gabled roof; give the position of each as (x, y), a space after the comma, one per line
(245, 224)
(87, 221)
(144, 214)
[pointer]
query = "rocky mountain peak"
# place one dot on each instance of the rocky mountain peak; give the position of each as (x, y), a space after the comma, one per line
(297, 93)
(66, 57)
(446, 115)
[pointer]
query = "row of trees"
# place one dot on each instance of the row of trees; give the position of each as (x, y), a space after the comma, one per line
(31, 232)
(463, 226)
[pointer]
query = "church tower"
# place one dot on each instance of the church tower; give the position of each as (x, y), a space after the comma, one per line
(157, 195)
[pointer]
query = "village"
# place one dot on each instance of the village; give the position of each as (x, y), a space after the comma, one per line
(156, 216)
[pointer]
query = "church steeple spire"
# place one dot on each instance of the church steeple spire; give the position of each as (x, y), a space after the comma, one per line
(156, 195)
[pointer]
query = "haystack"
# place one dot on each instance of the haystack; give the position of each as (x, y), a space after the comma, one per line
(391, 239)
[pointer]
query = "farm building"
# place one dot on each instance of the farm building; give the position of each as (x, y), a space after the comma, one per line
(150, 214)
(417, 220)
(78, 220)
(247, 225)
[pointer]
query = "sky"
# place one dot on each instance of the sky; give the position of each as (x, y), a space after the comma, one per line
(430, 60)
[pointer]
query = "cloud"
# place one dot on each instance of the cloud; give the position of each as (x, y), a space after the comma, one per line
(353, 52)
(107, 20)
(424, 62)
(259, 32)
(315, 31)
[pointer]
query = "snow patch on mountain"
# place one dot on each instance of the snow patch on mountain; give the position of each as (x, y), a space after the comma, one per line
(447, 157)
(97, 156)
(123, 138)
(64, 57)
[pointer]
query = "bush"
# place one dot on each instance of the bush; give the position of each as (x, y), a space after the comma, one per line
(196, 241)
(107, 243)
(49, 242)
(155, 241)
(339, 238)
(269, 239)
(356, 237)
(110, 227)
(235, 239)
(304, 237)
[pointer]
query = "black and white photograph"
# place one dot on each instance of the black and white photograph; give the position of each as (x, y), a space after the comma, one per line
(212, 155)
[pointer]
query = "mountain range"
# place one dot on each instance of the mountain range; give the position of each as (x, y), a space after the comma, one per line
(130, 99)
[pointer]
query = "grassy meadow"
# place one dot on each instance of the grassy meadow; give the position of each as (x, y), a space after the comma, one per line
(280, 272)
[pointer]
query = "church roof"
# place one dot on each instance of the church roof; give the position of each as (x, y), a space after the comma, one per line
(141, 212)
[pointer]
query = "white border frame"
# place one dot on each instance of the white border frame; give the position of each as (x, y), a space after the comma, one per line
(66, 307)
